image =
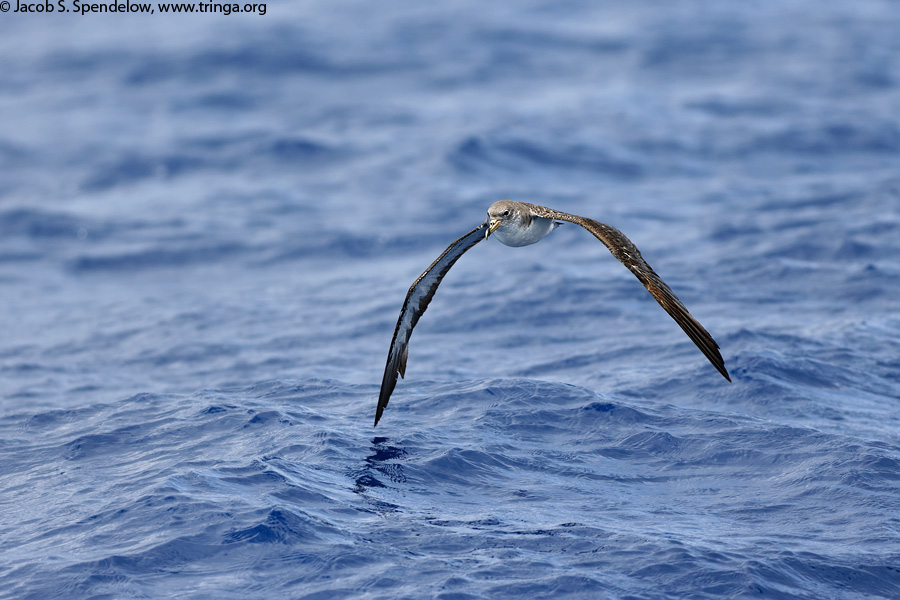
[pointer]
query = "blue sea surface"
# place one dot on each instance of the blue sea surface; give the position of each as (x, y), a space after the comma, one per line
(208, 225)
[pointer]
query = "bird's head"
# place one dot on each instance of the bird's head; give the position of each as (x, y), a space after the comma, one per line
(505, 214)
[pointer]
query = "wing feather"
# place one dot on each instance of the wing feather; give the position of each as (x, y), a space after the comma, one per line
(628, 254)
(417, 298)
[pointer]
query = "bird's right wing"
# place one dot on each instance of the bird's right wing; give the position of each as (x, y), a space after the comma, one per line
(420, 294)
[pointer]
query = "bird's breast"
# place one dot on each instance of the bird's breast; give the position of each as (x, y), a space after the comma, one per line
(515, 234)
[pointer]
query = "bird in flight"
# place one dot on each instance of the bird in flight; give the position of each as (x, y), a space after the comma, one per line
(521, 224)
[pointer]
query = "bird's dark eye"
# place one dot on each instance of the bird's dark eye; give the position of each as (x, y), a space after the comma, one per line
(506, 213)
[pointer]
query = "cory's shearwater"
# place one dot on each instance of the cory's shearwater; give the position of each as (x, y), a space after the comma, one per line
(521, 224)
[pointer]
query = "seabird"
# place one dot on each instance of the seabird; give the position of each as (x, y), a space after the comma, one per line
(520, 224)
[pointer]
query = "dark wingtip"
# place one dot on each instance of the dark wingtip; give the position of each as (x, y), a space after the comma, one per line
(379, 411)
(719, 363)
(716, 359)
(382, 402)
(387, 388)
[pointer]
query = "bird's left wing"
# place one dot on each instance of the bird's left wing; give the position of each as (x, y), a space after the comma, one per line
(628, 254)
(420, 294)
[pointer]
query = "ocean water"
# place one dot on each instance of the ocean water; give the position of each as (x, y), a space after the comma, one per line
(208, 224)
